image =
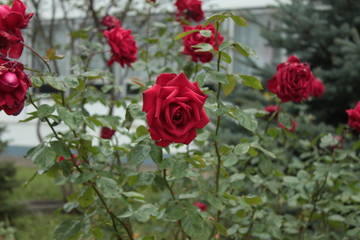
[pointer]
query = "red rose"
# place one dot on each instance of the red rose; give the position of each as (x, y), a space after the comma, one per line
(354, 117)
(13, 86)
(107, 133)
(110, 22)
(293, 127)
(11, 21)
(201, 205)
(293, 80)
(318, 88)
(153, 1)
(174, 108)
(190, 9)
(196, 38)
(123, 46)
(271, 109)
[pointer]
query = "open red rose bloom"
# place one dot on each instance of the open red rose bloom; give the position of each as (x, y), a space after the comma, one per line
(293, 81)
(196, 38)
(174, 108)
(190, 9)
(354, 117)
(13, 86)
(12, 20)
(123, 46)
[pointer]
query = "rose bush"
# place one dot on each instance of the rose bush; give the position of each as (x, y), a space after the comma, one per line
(174, 109)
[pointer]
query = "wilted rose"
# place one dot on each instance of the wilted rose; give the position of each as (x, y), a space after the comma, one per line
(123, 46)
(196, 38)
(174, 108)
(293, 80)
(13, 86)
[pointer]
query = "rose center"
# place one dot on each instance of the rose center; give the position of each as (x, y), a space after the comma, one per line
(8, 82)
(177, 116)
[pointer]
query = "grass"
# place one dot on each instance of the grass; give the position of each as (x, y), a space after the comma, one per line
(41, 188)
(35, 226)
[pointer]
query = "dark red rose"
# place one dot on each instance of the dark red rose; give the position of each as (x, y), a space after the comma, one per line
(293, 127)
(195, 38)
(354, 117)
(174, 108)
(272, 109)
(153, 1)
(293, 80)
(201, 205)
(13, 86)
(11, 21)
(190, 9)
(123, 46)
(110, 22)
(318, 88)
(107, 133)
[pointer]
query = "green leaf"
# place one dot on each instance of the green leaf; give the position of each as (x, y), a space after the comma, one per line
(246, 120)
(68, 117)
(51, 55)
(180, 169)
(138, 154)
(203, 47)
(237, 177)
(54, 82)
(241, 148)
(174, 212)
(156, 153)
(193, 225)
(244, 50)
(206, 33)
(60, 148)
(141, 131)
(144, 212)
(45, 110)
(189, 195)
(251, 81)
(108, 187)
(253, 200)
(87, 197)
(214, 201)
(44, 159)
(239, 20)
(229, 87)
(67, 230)
(221, 229)
(230, 160)
(202, 78)
(219, 77)
(225, 57)
(285, 119)
(71, 81)
(265, 151)
(184, 34)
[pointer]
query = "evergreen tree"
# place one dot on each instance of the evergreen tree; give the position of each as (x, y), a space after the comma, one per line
(323, 33)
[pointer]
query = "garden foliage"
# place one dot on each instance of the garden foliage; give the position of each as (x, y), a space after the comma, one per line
(278, 180)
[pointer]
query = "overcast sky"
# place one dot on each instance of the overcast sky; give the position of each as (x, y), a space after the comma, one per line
(228, 4)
